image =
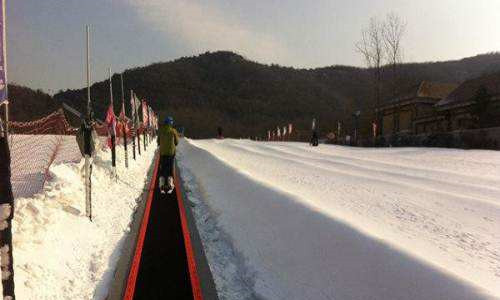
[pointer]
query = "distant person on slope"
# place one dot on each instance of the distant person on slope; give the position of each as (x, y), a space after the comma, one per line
(220, 136)
(314, 139)
(168, 138)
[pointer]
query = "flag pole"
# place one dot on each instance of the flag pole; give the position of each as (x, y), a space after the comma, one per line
(124, 123)
(143, 124)
(110, 87)
(149, 124)
(88, 71)
(7, 119)
(132, 111)
(87, 133)
(137, 125)
(112, 131)
(6, 110)
(7, 208)
(4, 59)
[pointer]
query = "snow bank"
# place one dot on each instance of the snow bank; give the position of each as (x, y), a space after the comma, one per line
(231, 278)
(31, 154)
(345, 223)
(58, 252)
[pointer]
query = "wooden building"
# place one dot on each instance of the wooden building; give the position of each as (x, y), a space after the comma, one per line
(456, 109)
(414, 111)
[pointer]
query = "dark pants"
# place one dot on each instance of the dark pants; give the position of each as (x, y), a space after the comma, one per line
(314, 139)
(167, 165)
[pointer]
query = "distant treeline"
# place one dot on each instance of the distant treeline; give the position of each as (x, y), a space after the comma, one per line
(246, 98)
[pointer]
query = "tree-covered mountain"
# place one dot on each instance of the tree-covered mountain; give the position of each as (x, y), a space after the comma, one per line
(27, 104)
(247, 98)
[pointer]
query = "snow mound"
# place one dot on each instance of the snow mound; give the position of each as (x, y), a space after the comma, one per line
(58, 252)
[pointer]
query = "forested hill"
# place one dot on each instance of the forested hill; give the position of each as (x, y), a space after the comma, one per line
(247, 98)
(27, 104)
(224, 89)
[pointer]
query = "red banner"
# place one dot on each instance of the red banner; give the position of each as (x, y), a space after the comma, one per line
(145, 119)
(111, 123)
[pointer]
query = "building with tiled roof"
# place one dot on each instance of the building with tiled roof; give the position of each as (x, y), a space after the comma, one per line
(413, 111)
(464, 94)
(456, 107)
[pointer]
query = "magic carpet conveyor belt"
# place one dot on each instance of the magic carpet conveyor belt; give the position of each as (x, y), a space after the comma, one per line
(164, 264)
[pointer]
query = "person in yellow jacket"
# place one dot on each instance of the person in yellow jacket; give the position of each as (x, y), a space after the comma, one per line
(168, 138)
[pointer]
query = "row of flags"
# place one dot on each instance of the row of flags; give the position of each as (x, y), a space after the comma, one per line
(280, 132)
(140, 108)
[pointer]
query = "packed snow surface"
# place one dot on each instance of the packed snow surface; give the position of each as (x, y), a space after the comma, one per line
(289, 221)
(58, 252)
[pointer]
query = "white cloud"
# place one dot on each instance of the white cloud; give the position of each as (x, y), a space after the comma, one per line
(207, 29)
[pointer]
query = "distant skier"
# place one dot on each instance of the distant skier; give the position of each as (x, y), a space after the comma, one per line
(220, 136)
(314, 139)
(168, 138)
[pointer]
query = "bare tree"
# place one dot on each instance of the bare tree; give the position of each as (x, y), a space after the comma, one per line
(372, 49)
(393, 30)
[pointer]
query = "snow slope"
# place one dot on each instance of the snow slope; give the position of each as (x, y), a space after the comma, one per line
(58, 252)
(348, 223)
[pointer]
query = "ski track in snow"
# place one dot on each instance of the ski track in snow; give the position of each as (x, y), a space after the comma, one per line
(232, 279)
(439, 207)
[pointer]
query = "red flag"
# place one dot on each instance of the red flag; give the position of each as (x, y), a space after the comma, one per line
(110, 122)
(144, 113)
(153, 119)
(122, 113)
(127, 128)
(122, 119)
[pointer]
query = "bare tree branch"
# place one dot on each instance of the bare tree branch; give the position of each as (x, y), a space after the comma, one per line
(394, 29)
(371, 47)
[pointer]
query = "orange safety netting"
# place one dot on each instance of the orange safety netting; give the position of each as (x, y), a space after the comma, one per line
(35, 146)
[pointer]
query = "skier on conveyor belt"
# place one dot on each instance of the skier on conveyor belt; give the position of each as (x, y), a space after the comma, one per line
(168, 138)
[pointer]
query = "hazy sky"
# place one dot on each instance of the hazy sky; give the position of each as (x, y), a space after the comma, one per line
(46, 37)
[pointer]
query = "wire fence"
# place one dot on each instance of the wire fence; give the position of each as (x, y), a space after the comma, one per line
(36, 145)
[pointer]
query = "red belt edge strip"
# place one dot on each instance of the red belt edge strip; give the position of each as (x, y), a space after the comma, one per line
(193, 271)
(136, 262)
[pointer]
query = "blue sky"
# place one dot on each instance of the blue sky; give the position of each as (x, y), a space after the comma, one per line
(46, 37)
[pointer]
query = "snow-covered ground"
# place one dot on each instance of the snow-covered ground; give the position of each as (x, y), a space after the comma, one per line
(31, 154)
(58, 252)
(287, 221)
